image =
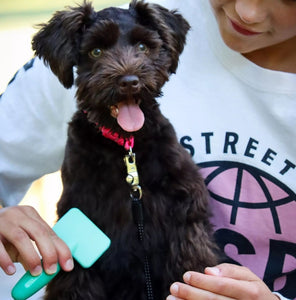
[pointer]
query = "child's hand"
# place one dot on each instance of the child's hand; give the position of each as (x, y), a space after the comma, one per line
(19, 226)
(225, 281)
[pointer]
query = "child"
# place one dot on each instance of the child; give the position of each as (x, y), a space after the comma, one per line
(232, 103)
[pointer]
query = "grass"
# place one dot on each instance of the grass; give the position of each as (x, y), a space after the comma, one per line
(11, 7)
(17, 13)
(17, 25)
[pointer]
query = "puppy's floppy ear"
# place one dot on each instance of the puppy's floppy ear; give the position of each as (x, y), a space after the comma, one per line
(170, 25)
(58, 41)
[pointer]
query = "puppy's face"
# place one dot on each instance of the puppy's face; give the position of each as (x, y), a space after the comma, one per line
(122, 66)
(123, 58)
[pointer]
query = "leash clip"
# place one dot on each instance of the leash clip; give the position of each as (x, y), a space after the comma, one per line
(132, 177)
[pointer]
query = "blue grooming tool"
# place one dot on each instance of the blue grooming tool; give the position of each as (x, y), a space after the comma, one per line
(86, 242)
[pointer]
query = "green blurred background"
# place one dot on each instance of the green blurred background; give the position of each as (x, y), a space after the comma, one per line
(17, 21)
(24, 12)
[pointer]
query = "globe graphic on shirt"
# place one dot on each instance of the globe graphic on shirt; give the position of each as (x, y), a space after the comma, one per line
(267, 191)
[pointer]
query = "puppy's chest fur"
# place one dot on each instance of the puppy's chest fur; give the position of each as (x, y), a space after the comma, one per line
(94, 176)
(94, 168)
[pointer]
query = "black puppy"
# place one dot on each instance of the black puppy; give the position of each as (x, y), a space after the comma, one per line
(156, 215)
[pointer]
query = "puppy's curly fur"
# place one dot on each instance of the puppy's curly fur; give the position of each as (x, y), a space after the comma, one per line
(122, 57)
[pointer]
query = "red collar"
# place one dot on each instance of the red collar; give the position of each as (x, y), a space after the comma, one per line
(127, 143)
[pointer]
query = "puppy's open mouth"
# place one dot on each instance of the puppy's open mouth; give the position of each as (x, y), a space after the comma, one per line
(128, 114)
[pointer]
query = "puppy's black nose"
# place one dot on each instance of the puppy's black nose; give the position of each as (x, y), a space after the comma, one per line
(129, 84)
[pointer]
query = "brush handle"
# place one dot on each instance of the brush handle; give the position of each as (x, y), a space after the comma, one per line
(28, 285)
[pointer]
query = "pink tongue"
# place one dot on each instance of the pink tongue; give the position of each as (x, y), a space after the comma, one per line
(130, 117)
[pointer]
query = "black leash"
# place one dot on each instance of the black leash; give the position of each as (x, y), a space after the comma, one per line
(136, 194)
(138, 213)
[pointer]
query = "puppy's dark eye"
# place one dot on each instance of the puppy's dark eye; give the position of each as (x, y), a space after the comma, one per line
(142, 47)
(95, 53)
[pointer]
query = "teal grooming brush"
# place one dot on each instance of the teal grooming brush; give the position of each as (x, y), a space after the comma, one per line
(85, 240)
